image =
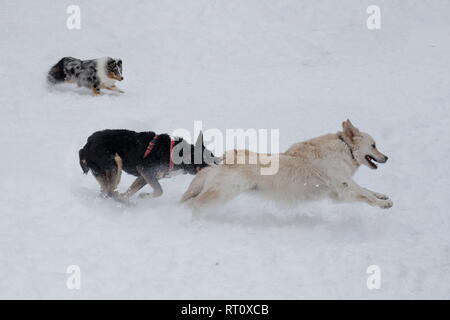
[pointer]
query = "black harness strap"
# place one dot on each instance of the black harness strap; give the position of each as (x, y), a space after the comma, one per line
(150, 146)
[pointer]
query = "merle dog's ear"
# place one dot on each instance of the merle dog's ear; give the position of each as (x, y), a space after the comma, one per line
(111, 62)
(199, 142)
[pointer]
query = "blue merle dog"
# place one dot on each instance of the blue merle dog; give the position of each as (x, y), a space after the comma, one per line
(94, 74)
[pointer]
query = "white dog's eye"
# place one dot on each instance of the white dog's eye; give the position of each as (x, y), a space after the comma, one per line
(373, 145)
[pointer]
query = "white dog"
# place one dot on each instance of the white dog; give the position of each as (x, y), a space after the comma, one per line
(315, 169)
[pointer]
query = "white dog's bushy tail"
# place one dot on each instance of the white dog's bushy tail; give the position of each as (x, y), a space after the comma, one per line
(196, 186)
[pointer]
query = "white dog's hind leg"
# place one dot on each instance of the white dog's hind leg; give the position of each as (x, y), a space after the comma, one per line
(215, 196)
(222, 188)
(196, 186)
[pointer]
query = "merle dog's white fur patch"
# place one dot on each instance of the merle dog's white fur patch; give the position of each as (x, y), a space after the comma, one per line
(102, 72)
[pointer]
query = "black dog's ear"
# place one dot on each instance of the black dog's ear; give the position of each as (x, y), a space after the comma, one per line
(199, 142)
(217, 160)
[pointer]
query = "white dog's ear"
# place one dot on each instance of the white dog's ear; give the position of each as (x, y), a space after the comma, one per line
(349, 129)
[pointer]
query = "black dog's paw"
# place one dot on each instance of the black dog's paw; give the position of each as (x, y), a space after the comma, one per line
(149, 195)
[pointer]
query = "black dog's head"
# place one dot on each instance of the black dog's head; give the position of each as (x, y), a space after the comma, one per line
(114, 69)
(192, 158)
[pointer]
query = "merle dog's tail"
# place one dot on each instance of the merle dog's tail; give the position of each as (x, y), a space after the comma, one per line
(56, 73)
(83, 162)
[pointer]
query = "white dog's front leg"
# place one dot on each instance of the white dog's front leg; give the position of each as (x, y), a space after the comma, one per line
(351, 191)
(378, 195)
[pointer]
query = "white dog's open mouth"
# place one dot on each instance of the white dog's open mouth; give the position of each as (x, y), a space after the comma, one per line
(371, 160)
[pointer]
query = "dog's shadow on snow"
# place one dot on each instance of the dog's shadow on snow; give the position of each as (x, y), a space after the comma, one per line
(262, 220)
(92, 199)
(339, 225)
(74, 90)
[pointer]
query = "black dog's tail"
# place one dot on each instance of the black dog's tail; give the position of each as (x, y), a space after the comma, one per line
(56, 73)
(83, 162)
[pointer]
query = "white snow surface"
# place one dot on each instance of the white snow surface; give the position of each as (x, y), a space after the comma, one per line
(300, 66)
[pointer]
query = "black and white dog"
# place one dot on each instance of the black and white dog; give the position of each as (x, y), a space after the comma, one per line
(94, 74)
(146, 155)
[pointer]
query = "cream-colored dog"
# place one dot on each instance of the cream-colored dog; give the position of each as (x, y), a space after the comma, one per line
(315, 169)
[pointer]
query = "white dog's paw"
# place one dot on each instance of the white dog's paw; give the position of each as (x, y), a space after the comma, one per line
(386, 204)
(381, 196)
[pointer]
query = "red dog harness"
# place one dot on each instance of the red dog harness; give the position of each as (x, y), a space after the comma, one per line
(152, 144)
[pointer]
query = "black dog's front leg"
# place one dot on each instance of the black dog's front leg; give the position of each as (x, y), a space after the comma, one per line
(137, 185)
(150, 177)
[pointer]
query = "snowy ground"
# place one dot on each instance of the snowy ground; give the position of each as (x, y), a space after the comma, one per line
(300, 66)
